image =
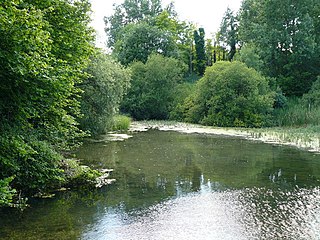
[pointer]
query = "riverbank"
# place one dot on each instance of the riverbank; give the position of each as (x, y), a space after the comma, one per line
(306, 138)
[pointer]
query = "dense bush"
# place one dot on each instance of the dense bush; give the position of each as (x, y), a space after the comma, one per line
(301, 111)
(231, 94)
(152, 87)
(103, 92)
(44, 50)
(6, 192)
(120, 123)
(32, 161)
(182, 92)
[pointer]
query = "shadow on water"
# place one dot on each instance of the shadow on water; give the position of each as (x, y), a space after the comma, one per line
(183, 186)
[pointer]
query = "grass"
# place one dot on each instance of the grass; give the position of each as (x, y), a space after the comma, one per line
(297, 114)
(121, 123)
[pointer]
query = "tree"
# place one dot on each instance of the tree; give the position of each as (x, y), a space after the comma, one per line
(227, 35)
(44, 50)
(231, 94)
(200, 62)
(248, 55)
(130, 12)
(182, 35)
(152, 87)
(210, 53)
(285, 34)
(140, 40)
(102, 93)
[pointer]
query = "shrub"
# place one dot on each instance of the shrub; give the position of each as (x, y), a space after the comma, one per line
(32, 161)
(79, 176)
(312, 98)
(231, 94)
(6, 192)
(182, 92)
(152, 87)
(103, 92)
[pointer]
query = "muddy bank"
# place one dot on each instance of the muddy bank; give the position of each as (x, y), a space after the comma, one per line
(304, 140)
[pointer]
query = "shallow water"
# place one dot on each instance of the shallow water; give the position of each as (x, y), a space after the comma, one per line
(183, 186)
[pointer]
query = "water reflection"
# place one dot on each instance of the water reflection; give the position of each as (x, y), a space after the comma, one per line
(183, 186)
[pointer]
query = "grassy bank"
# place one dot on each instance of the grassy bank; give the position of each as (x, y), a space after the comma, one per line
(307, 137)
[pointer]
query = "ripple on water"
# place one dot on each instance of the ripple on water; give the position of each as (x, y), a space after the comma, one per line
(242, 214)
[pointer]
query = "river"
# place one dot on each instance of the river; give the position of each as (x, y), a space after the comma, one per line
(173, 185)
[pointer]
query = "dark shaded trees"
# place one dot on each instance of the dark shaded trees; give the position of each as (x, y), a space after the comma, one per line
(200, 60)
(227, 35)
(153, 87)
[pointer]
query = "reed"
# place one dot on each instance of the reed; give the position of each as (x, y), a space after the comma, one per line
(121, 123)
(297, 114)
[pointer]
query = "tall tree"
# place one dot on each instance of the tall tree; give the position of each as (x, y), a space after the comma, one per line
(130, 11)
(227, 35)
(44, 50)
(140, 40)
(200, 62)
(285, 34)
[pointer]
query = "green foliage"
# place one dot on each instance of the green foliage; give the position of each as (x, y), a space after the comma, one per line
(182, 92)
(6, 192)
(139, 40)
(248, 55)
(285, 34)
(200, 61)
(228, 33)
(152, 87)
(303, 111)
(312, 98)
(31, 160)
(103, 92)
(120, 123)
(130, 11)
(44, 49)
(297, 113)
(231, 94)
(79, 175)
(141, 27)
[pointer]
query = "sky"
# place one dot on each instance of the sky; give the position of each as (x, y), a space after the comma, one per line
(205, 13)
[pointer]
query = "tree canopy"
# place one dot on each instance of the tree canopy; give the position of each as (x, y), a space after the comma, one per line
(44, 49)
(286, 35)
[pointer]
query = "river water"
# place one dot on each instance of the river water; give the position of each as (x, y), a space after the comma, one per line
(183, 186)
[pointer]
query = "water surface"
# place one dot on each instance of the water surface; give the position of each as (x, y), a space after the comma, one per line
(183, 186)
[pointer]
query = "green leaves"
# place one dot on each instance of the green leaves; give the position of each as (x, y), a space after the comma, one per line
(140, 40)
(130, 12)
(152, 87)
(102, 93)
(6, 192)
(44, 49)
(231, 94)
(285, 34)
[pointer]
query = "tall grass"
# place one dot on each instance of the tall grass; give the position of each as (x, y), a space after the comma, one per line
(297, 114)
(121, 123)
